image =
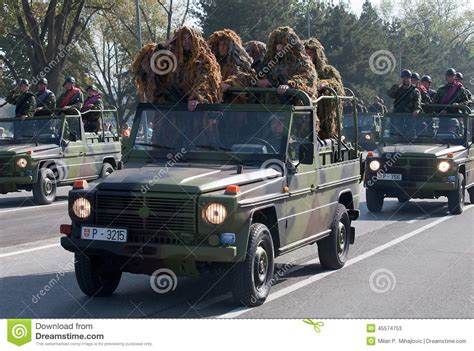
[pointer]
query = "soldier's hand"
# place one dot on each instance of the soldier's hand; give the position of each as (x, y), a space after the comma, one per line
(264, 83)
(282, 89)
(192, 104)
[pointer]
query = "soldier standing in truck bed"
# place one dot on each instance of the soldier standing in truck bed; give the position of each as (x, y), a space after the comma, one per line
(407, 97)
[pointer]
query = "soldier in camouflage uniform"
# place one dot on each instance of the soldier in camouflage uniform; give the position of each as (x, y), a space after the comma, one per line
(286, 65)
(92, 103)
(452, 93)
(460, 79)
(426, 83)
(72, 98)
(23, 99)
(407, 97)
(186, 70)
(256, 50)
(45, 99)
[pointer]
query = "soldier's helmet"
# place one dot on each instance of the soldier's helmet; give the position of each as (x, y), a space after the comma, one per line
(415, 75)
(406, 73)
(459, 75)
(69, 80)
(426, 78)
(43, 81)
(451, 72)
(24, 81)
(453, 122)
(92, 87)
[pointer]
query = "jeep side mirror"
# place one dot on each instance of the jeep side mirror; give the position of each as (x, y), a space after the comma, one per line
(306, 154)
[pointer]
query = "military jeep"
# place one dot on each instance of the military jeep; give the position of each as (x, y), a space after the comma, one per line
(226, 187)
(369, 125)
(43, 152)
(423, 157)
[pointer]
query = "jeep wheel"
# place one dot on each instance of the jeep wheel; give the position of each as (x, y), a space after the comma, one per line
(250, 283)
(107, 169)
(94, 277)
(334, 249)
(456, 197)
(374, 200)
(44, 190)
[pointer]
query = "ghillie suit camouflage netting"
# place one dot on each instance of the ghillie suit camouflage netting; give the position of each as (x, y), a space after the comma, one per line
(236, 67)
(291, 65)
(256, 50)
(183, 75)
(329, 76)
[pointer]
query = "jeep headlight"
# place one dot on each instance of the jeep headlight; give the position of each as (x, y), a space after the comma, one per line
(367, 137)
(21, 162)
(444, 166)
(81, 208)
(214, 213)
(374, 165)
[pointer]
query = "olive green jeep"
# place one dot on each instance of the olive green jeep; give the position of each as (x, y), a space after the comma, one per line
(423, 157)
(226, 186)
(43, 152)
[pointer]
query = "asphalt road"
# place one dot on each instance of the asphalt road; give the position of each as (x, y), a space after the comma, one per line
(410, 261)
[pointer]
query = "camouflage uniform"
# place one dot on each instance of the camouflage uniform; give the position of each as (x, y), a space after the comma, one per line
(290, 67)
(461, 96)
(25, 102)
(92, 119)
(76, 101)
(257, 51)
(407, 98)
(46, 101)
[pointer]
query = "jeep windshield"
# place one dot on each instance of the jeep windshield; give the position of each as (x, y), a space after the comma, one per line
(31, 130)
(423, 129)
(365, 121)
(233, 134)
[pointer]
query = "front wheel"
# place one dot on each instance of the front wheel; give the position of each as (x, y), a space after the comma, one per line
(334, 249)
(94, 277)
(44, 190)
(251, 279)
(456, 197)
(374, 200)
(107, 169)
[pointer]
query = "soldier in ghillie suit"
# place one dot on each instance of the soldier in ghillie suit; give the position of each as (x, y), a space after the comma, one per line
(72, 98)
(45, 99)
(328, 76)
(286, 64)
(23, 99)
(256, 50)
(183, 68)
(235, 63)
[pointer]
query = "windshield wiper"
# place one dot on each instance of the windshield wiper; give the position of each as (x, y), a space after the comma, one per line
(212, 147)
(157, 146)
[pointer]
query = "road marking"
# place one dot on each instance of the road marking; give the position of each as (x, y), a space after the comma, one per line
(29, 250)
(301, 284)
(33, 207)
(415, 220)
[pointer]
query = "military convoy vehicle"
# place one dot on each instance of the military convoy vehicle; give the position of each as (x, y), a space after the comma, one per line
(226, 187)
(369, 125)
(423, 157)
(43, 152)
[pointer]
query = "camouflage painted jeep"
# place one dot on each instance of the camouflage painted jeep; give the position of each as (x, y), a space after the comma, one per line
(424, 157)
(226, 186)
(369, 128)
(41, 153)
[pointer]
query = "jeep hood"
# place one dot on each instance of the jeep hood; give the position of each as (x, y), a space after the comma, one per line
(183, 178)
(12, 149)
(420, 150)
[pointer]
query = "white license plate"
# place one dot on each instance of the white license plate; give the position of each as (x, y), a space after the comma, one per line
(389, 176)
(104, 234)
